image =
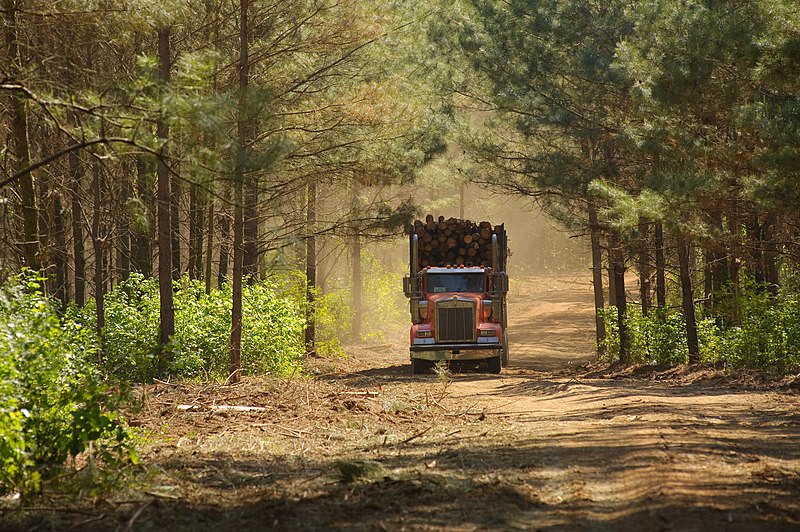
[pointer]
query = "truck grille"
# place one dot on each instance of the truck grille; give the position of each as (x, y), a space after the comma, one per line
(455, 321)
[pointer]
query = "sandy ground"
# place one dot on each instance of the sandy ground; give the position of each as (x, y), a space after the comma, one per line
(555, 442)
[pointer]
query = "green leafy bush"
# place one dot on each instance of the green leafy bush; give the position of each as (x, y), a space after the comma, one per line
(658, 338)
(272, 330)
(755, 329)
(52, 403)
(751, 328)
(610, 344)
(131, 329)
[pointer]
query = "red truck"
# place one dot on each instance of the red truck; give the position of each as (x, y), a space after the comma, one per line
(457, 297)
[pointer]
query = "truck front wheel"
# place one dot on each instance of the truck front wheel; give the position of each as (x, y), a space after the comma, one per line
(419, 366)
(505, 349)
(493, 364)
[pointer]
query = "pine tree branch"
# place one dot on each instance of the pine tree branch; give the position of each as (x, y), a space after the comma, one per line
(69, 149)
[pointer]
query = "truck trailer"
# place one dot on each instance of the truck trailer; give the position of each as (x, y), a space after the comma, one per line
(457, 286)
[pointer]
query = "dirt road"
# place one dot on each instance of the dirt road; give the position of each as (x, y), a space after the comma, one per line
(550, 444)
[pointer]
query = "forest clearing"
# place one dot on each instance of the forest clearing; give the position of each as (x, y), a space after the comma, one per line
(550, 444)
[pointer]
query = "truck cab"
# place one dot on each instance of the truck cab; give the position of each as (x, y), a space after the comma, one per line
(458, 313)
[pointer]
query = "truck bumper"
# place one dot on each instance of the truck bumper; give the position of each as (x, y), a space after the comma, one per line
(456, 351)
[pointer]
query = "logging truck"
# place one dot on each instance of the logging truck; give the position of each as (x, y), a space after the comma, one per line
(457, 286)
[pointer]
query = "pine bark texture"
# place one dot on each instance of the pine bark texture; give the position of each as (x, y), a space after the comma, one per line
(687, 298)
(311, 268)
(19, 132)
(166, 310)
(597, 279)
(238, 200)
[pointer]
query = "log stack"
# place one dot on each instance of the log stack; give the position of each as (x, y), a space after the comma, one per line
(453, 241)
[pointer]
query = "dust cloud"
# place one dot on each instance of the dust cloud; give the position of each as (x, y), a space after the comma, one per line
(539, 245)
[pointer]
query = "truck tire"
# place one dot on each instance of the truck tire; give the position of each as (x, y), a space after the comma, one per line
(504, 359)
(493, 365)
(419, 366)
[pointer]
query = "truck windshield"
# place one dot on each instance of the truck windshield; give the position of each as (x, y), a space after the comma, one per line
(455, 282)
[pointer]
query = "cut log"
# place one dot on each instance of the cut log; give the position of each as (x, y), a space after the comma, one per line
(453, 241)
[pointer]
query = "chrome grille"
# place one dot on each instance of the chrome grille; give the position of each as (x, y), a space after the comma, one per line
(455, 321)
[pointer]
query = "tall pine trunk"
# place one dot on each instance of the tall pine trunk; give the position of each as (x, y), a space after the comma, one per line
(238, 207)
(166, 310)
(311, 267)
(236, 280)
(716, 266)
(597, 279)
(19, 132)
(142, 238)
(209, 244)
(687, 299)
(60, 254)
(644, 266)
(771, 254)
(661, 267)
(224, 237)
(175, 225)
(616, 257)
(78, 251)
(734, 260)
(97, 244)
(355, 256)
(612, 281)
(124, 225)
(197, 213)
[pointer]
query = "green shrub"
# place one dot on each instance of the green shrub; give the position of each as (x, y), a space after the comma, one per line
(131, 329)
(750, 328)
(658, 338)
(272, 328)
(610, 344)
(755, 329)
(332, 309)
(52, 404)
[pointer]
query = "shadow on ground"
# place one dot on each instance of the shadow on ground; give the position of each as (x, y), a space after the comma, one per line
(557, 481)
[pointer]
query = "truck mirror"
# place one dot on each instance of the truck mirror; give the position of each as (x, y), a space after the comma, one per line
(501, 282)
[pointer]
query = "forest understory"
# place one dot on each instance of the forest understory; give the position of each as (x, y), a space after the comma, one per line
(558, 441)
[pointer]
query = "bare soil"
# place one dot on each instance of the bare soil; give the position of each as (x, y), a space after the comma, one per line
(558, 441)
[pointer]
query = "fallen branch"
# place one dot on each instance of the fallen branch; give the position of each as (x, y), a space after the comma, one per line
(415, 436)
(136, 514)
(223, 408)
(81, 524)
(167, 383)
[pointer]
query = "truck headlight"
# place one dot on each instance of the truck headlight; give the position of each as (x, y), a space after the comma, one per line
(488, 332)
(424, 334)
